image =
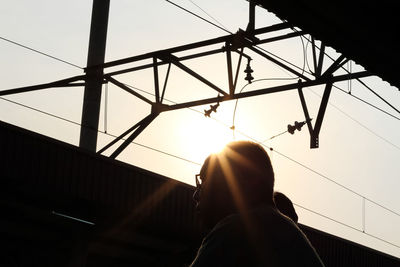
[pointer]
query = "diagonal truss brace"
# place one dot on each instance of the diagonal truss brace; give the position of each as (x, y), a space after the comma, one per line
(136, 130)
(174, 60)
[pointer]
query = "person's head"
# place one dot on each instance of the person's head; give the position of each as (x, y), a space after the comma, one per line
(236, 179)
(285, 206)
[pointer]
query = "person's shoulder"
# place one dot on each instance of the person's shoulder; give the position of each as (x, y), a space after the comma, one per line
(227, 227)
(222, 245)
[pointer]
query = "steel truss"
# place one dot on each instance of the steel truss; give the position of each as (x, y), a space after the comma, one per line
(233, 43)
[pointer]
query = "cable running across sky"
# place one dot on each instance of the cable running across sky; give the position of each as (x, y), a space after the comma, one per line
(41, 53)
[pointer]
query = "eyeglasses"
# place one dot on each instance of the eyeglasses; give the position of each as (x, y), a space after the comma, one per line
(198, 180)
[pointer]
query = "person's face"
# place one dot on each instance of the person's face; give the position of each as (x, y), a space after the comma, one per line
(211, 196)
(197, 192)
(201, 189)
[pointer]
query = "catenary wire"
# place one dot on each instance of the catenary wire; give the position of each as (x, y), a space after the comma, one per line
(349, 92)
(304, 166)
(195, 110)
(367, 103)
(106, 133)
(70, 121)
(361, 82)
(359, 123)
(241, 90)
(190, 12)
(196, 163)
(208, 14)
(330, 103)
(194, 14)
(287, 157)
(266, 51)
(347, 225)
(283, 155)
(377, 95)
(41, 53)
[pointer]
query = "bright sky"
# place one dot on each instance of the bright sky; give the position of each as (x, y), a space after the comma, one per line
(359, 145)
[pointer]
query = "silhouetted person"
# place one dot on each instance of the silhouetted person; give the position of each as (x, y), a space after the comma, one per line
(285, 206)
(234, 198)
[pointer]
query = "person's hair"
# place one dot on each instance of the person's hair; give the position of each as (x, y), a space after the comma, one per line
(285, 206)
(246, 166)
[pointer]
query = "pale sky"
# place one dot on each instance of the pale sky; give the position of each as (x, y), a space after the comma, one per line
(359, 145)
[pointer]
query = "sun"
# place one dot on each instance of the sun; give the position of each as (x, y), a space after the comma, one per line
(205, 136)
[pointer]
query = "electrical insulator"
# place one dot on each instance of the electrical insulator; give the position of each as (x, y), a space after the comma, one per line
(248, 72)
(291, 129)
(297, 126)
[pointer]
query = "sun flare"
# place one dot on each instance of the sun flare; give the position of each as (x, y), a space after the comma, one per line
(206, 136)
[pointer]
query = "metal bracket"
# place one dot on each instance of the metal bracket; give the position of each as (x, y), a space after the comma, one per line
(314, 132)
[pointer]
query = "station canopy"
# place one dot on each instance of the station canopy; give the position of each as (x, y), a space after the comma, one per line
(363, 31)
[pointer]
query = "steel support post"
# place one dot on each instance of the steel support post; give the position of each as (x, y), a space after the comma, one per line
(94, 76)
(318, 71)
(314, 132)
(229, 66)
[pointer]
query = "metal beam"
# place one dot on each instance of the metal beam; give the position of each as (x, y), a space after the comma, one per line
(135, 134)
(275, 89)
(305, 110)
(314, 54)
(60, 83)
(156, 83)
(165, 83)
(94, 81)
(252, 16)
(140, 126)
(127, 89)
(281, 37)
(238, 69)
(229, 66)
(320, 60)
(314, 132)
(222, 39)
(298, 74)
(174, 60)
(121, 136)
(322, 108)
(339, 62)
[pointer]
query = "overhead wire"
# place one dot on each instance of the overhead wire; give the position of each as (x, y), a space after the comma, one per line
(241, 90)
(330, 102)
(194, 14)
(347, 225)
(333, 181)
(99, 131)
(364, 84)
(359, 123)
(320, 174)
(242, 133)
(293, 160)
(377, 95)
(198, 164)
(40, 52)
(208, 14)
(303, 69)
(148, 147)
(287, 62)
(367, 103)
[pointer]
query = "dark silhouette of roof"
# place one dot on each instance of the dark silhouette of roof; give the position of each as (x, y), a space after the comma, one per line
(363, 31)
